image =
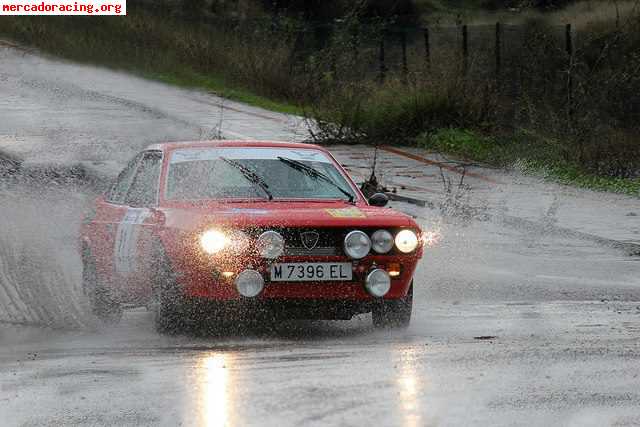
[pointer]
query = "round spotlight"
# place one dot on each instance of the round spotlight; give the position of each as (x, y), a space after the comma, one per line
(249, 283)
(378, 283)
(382, 241)
(270, 244)
(213, 241)
(357, 244)
(406, 241)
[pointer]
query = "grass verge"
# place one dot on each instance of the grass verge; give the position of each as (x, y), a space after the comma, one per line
(162, 48)
(540, 159)
(218, 86)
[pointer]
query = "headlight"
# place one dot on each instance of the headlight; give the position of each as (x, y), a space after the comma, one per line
(382, 241)
(357, 244)
(213, 241)
(406, 241)
(378, 283)
(249, 283)
(270, 244)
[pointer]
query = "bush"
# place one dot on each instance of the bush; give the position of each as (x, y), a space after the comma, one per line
(350, 109)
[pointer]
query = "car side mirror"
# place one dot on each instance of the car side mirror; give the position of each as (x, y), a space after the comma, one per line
(379, 199)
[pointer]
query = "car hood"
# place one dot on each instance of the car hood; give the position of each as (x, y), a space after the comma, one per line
(196, 216)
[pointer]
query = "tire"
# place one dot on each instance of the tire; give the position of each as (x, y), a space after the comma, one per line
(389, 314)
(168, 302)
(103, 305)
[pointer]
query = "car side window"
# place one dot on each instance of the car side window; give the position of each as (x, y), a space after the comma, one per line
(143, 191)
(119, 189)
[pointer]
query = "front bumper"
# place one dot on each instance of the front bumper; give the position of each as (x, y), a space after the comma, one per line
(210, 283)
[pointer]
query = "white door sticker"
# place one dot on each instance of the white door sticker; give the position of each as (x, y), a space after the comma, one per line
(126, 242)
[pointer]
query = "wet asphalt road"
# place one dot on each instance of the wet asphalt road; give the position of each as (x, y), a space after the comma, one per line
(561, 363)
(511, 326)
(506, 331)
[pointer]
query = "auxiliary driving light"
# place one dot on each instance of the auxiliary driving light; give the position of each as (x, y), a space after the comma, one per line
(394, 269)
(378, 283)
(357, 244)
(406, 241)
(213, 241)
(382, 241)
(270, 244)
(249, 283)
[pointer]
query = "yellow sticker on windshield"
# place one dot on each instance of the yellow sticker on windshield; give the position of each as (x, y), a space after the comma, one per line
(346, 213)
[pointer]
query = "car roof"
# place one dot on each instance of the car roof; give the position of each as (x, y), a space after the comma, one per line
(232, 143)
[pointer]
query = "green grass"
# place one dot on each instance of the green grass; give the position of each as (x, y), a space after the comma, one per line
(572, 175)
(540, 159)
(217, 85)
(463, 143)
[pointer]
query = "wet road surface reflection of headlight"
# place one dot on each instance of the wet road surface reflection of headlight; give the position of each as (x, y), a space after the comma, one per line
(382, 241)
(249, 283)
(216, 391)
(357, 244)
(213, 241)
(406, 241)
(270, 244)
(378, 283)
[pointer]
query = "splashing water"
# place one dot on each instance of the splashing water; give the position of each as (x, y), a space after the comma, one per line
(40, 267)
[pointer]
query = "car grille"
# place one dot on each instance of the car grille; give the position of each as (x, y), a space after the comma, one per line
(329, 241)
(292, 251)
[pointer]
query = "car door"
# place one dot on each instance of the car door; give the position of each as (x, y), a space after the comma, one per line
(109, 213)
(133, 235)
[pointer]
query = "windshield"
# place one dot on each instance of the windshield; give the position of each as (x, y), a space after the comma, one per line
(222, 173)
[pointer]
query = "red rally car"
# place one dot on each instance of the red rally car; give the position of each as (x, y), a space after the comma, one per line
(257, 226)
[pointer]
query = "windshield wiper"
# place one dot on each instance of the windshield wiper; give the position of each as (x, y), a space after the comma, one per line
(250, 175)
(314, 173)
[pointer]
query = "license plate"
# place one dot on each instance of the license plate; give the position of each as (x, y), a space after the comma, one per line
(311, 272)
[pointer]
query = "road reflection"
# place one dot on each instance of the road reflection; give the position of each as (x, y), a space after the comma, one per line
(216, 389)
(409, 387)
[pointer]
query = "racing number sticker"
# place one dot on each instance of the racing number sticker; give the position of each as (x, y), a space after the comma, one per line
(126, 242)
(346, 213)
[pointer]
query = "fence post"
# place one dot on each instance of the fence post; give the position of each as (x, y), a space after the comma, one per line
(333, 63)
(405, 64)
(383, 67)
(569, 47)
(355, 44)
(465, 48)
(427, 48)
(498, 48)
(569, 39)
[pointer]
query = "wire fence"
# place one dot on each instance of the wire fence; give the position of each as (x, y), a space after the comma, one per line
(483, 49)
(381, 48)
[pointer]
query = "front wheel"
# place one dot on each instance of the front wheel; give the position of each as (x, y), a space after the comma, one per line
(168, 303)
(393, 313)
(103, 305)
